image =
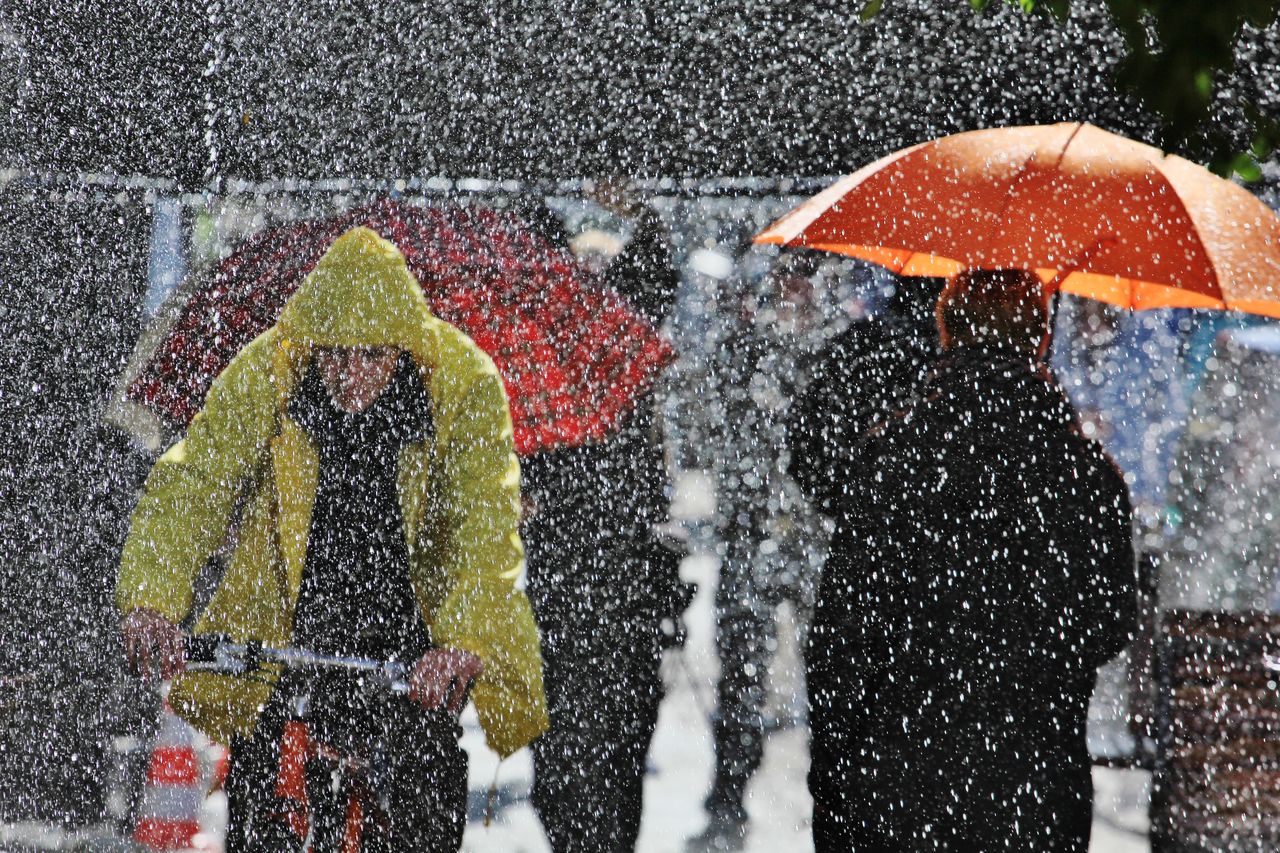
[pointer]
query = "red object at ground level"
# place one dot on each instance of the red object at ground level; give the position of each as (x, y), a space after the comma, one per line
(573, 354)
(169, 813)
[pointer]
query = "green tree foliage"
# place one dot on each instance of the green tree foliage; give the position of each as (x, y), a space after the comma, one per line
(1178, 53)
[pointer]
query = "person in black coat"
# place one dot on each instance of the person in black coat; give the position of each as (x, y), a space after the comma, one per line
(984, 570)
(602, 585)
(864, 371)
(861, 376)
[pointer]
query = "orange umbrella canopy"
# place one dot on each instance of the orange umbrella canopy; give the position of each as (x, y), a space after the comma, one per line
(1110, 218)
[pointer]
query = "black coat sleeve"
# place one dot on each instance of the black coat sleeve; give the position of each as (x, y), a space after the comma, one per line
(809, 449)
(1105, 579)
(851, 640)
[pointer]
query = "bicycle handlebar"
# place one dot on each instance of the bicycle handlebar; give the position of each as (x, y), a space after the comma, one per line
(217, 654)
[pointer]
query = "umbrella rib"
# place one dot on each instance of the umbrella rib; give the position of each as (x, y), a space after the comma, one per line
(1208, 258)
(1062, 155)
(998, 225)
(1077, 263)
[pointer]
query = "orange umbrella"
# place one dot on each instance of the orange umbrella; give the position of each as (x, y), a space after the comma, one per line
(1105, 216)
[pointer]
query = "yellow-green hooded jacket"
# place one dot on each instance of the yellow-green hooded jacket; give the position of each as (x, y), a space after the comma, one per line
(459, 492)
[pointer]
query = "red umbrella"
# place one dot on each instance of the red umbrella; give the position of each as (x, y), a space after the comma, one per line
(573, 354)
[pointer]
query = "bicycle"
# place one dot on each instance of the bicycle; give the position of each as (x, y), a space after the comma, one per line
(329, 796)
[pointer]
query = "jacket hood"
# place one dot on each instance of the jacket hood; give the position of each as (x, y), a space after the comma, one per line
(361, 293)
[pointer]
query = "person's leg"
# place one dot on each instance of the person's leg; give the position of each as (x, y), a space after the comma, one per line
(426, 792)
(603, 694)
(634, 700)
(745, 629)
(559, 755)
(555, 591)
(328, 798)
(241, 790)
(255, 821)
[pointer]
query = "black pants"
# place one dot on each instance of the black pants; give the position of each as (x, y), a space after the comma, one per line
(419, 775)
(601, 673)
(746, 630)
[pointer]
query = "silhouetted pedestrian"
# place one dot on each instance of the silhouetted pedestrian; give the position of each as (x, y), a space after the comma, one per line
(601, 586)
(984, 571)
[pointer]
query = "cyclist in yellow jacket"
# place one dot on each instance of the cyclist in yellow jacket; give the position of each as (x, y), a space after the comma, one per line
(368, 446)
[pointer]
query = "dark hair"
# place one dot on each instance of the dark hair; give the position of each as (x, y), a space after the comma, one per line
(799, 262)
(1004, 307)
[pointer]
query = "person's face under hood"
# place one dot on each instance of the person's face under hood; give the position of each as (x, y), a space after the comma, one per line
(356, 376)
